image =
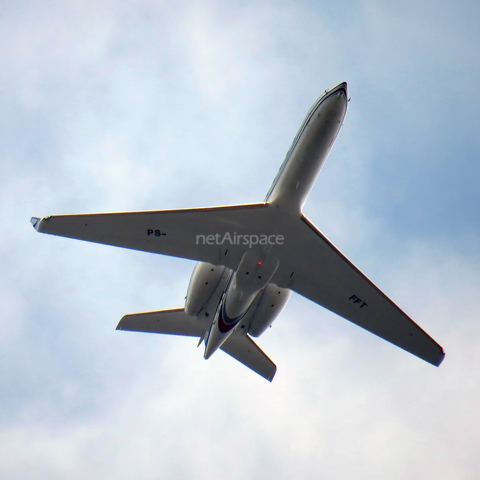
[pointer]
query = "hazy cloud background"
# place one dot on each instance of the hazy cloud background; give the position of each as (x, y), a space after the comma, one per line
(121, 105)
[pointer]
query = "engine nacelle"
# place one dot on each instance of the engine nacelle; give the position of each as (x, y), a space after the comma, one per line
(203, 282)
(254, 272)
(271, 304)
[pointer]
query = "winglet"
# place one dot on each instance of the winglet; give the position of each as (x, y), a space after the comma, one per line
(35, 221)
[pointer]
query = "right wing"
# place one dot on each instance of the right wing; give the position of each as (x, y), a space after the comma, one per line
(321, 273)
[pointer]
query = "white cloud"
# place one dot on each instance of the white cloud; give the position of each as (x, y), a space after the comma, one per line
(122, 106)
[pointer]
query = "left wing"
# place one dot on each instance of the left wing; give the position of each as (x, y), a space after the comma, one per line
(187, 233)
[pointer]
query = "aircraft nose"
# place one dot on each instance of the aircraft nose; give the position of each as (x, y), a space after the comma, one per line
(338, 90)
(342, 87)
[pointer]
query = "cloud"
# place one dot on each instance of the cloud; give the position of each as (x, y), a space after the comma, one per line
(116, 106)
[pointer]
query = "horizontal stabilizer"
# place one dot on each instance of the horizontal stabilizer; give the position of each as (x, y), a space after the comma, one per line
(177, 322)
(246, 351)
(170, 322)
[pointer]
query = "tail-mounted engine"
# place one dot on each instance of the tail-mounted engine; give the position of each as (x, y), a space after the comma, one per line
(269, 307)
(203, 282)
(253, 273)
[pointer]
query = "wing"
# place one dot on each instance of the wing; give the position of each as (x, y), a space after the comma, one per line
(198, 233)
(172, 322)
(246, 351)
(309, 263)
(323, 274)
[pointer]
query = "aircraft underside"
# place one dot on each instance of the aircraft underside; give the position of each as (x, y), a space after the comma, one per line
(251, 257)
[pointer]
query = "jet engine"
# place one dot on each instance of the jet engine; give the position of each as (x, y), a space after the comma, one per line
(253, 273)
(203, 282)
(270, 305)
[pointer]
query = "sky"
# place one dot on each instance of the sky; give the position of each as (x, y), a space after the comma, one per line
(112, 105)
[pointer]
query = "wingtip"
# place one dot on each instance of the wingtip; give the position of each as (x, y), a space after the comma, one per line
(270, 378)
(121, 323)
(441, 359)
(35, 221)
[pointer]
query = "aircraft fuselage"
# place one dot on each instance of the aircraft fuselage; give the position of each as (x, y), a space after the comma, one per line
(237, 291)
(309, 150)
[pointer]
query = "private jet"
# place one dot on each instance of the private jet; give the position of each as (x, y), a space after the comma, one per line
(251, 257)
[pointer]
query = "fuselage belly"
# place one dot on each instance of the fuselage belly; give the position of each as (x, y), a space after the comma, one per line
(288, 192)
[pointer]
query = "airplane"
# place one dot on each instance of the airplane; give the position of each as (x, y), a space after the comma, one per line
(251, 257)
